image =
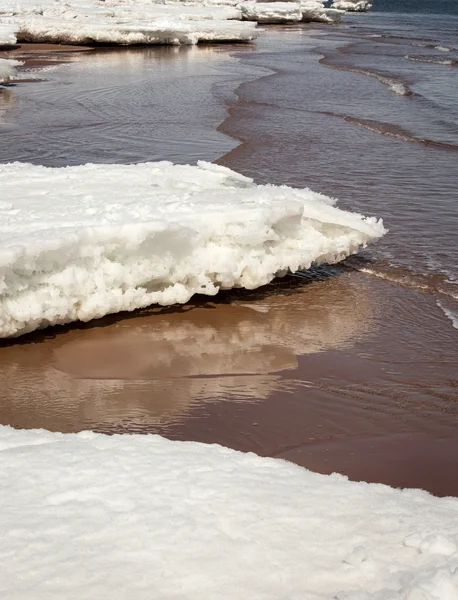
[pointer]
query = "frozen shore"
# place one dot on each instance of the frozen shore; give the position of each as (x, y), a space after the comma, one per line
(94, 516)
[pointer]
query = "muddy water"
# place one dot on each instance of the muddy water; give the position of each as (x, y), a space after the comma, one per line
(354, 368)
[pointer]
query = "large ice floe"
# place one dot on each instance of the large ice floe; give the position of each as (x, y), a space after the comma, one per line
(129, 22)
(78, 243)
(93, 516)
(8, 69)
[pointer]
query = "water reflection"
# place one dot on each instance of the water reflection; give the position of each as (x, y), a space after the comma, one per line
(126, 105)
(156, 368)
(8, 100)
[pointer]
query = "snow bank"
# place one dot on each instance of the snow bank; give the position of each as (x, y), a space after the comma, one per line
(93, 516)
(352, 5)
(8, 69)
(7, 35)
(78, 243)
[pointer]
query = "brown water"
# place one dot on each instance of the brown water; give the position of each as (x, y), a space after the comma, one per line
(353, 368)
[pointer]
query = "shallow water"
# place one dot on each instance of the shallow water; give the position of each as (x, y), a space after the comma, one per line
(125, 105)
(353, 368)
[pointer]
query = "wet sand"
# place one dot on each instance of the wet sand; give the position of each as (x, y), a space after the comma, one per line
(336, 370)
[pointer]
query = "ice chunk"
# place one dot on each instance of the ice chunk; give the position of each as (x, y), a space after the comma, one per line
(313, 10)
(83, 242)
(8, 69)
(160, 31)
(271, 12)
(7, 34)
(93, 516)
(352, 5)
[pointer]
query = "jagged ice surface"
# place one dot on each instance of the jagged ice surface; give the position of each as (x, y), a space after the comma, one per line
(138, 516)
(78, 243)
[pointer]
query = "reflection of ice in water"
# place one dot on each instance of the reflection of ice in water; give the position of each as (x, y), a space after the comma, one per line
(155, 369)
(169, 109)
(7, 101)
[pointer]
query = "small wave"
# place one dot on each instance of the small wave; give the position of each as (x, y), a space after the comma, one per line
(432, 60)
(431, 282)
(391, 130)
(434, 47)
(398, 87)
(452, 315)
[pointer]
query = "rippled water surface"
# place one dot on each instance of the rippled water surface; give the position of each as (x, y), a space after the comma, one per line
(352, 368)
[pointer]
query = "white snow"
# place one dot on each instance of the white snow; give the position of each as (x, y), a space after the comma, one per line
(78, 243)
(352, 5)
(121, 517)
(7, 35)
(8, 69)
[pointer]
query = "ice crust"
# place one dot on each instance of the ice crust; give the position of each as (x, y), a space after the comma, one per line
(129, 22)
(78, 243)
(138, 516)
(8, 69)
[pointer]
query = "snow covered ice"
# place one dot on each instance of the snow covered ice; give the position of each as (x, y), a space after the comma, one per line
(78, 243)
(120, 517)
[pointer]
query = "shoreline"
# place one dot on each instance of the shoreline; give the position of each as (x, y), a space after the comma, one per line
(271, 399)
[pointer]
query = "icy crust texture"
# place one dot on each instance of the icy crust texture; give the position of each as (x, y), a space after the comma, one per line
(8, 71)
(78, 243)
(130, 22)
(133, 516)
(352, 5)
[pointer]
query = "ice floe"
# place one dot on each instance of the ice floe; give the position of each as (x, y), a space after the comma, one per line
(78, 243)
(8, 69)
(160, 31)
(138, 516)
(129, 22)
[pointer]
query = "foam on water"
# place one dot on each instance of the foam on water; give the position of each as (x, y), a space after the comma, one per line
(451, 314)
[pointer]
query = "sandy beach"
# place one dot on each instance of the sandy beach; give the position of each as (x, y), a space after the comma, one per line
(228, 301)
(332, 370)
